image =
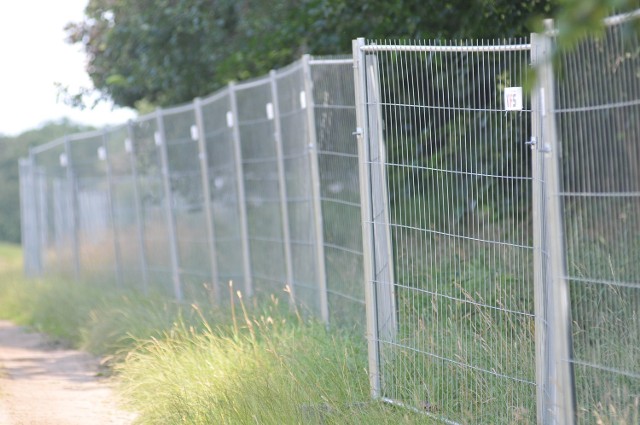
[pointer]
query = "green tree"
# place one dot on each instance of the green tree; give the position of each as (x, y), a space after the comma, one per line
(11, 149)
(166, 52)
(577, 19)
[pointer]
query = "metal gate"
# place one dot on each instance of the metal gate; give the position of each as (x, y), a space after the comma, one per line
(446, 139)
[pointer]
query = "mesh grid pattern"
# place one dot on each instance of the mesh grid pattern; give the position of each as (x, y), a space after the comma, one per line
(597, 109)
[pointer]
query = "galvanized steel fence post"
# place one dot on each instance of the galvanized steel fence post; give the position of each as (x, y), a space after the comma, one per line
(543, 411)
(168, 204)
(362, 136)
(316, 201)
(29, 214)
(273, 113)
(556, 396)
(130, 148)
(72, 199)
(39, 190)
(232, 121)
(201, 137)
(384, 270)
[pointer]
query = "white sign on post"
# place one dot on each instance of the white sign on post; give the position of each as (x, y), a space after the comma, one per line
(513, 98)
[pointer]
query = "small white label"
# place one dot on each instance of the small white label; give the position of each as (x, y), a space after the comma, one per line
(303, 100)
(128, 146)
(194, 132)
(63, 160)
(513, 98)
(269, 111)
(102, 153)
(156, 137)
(229, 119)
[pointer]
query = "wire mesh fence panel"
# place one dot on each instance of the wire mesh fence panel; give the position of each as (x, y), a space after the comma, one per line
(187, 196)
(456, 172)
(218, 133)
(262, 190)
(598, 121)
(54, 204)
(126, 215)
(86, 163)
(335, 122)
(291, 115)
(152, 203)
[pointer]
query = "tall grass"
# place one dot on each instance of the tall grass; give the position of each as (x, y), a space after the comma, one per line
(267, 371)
(191, 364)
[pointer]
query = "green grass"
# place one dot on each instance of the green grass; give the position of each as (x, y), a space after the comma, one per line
(270, 371)
(189, 364)
(461, 351)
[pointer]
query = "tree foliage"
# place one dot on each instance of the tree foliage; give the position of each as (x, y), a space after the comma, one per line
(169, 51)
(164, 52)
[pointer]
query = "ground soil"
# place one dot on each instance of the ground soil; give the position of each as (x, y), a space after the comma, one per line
(43, 383)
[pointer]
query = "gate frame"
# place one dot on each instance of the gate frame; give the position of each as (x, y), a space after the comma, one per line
(555, 395)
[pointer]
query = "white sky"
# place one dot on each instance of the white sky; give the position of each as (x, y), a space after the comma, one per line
(34, 56)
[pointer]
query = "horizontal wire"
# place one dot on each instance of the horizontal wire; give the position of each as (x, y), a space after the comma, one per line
(632, 285)
(462, 300)
(445, 49)
(464, 365)
(617, 371)
(606, 106)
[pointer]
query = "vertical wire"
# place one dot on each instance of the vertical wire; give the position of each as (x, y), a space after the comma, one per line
(600, 158)
(422, 251)
(391, 373)
(505, 197)
(392, 68)
(617, 171)
(408, 115)
(501, 145)
(465, 224)
(417, 218)
(576, 181)
(400, 138)
(452, 117)
(490, 176)
(444, 105)
(404, 104)
(493, 176)
(488, 108)
(509, 214)
(433, 200)
(436, 71)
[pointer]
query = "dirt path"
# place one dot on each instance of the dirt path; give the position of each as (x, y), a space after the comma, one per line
(44, 385)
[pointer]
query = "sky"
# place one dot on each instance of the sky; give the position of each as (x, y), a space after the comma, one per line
(33, 57)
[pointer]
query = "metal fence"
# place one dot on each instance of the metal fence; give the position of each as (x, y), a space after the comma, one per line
(451, 253)
(501, 228)
(486, 193)
(597, 113)
(232, 187)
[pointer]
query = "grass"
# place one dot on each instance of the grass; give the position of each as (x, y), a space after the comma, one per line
(603, 245)
(464, 348)
(465, 342)
(189, 364)
(267, 371)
